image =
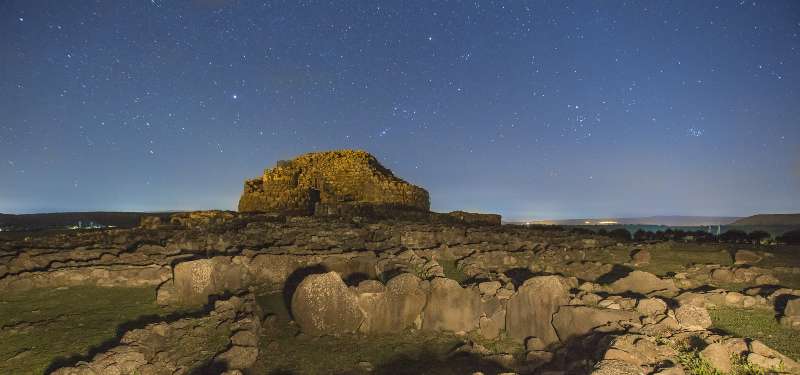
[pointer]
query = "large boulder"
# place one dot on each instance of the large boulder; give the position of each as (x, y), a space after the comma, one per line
(720, 354)
(651, 306)
(530, 310)
(195, 280)
(572, 322)
(791, 314)
(643, 283)
(392, 308)
(693, 317)
(322, 304)
(451, 307)
(722, 275)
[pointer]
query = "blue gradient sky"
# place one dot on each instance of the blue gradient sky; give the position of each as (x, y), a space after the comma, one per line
(531, 109)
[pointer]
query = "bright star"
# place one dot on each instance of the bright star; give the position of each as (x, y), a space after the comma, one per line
(235, 96)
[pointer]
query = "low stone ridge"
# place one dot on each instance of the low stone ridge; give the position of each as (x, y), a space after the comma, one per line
(329, 178)
(228, 335)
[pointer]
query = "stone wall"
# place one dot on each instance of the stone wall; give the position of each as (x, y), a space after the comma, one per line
(258, 250)
(345, 176)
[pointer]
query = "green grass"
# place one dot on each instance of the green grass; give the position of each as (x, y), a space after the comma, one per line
(694, 364)
(452, 271)
(45, 325)
(675, 258)
(409, 352)
(760, 325)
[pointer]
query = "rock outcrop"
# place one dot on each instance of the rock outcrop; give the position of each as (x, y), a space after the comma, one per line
(345, 177)
(228, 334)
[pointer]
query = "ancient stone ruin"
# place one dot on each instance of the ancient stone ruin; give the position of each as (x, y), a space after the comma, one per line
(331, 179)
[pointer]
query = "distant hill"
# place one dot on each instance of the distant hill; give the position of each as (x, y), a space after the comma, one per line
(64, 219)
(769, 219)
(673, 221)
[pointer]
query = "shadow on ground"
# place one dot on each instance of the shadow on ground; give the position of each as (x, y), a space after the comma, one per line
(141, 322)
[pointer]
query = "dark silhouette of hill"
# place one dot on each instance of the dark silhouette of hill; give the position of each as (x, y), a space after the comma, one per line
(769, 219)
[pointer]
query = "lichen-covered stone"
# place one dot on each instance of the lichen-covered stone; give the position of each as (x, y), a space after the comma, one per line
(530, 310)
(332, 177)
(323, 305)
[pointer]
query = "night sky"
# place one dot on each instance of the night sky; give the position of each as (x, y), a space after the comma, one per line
(530, 109)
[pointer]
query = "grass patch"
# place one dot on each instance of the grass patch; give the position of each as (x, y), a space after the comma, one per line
(694, 364)
(672, 257)
(44, 325)
(451, 270)
(760, 325)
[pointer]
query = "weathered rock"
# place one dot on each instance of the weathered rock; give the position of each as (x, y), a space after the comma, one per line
(720, 354)
(489, 287)
(393, 308)
(766, 280)
(475, 218)
(746, 257)
(693, 317)
(451, 307)
(322, 304)
(639, 350)
(643, 283)
(195, 280)
(530, 310)
(201, 219)
(331, 177)
(491, 326)
(651, 306)
(616, 367)
(239, 357)
(575, 321)
(770, 359)
(791, 314)
(640, 257)
(534, 343)
(722, 275)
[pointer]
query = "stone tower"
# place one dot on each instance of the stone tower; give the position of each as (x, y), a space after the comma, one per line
(344, 177)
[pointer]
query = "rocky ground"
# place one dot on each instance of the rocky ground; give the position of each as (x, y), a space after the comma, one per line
(214, 292)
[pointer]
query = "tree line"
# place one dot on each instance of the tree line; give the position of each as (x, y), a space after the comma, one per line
(731, 236)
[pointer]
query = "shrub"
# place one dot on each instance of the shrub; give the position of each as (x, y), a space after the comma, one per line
(620, 234)
(791, 237)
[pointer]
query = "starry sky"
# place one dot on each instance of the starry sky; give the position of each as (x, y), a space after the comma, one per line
(532, 109)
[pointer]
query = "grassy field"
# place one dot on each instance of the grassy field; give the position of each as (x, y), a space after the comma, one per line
(673, 257)
(44, 327)
(411, 352)
(760, 325)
